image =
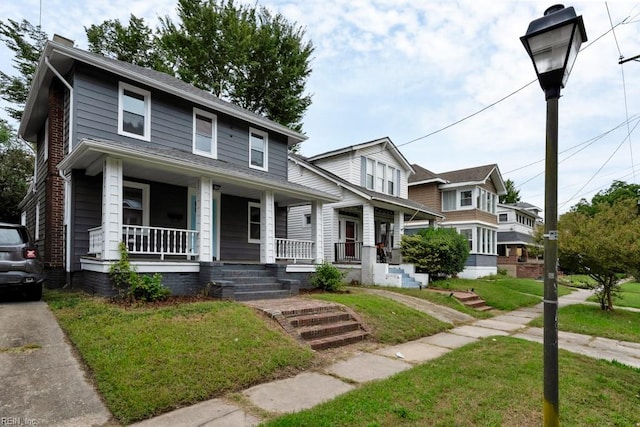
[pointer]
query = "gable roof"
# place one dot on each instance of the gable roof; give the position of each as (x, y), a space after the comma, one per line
(58, 59)
(362, 191)
(470, 176)
(384, 141)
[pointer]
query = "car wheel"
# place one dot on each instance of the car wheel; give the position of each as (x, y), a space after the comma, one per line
(35, 293)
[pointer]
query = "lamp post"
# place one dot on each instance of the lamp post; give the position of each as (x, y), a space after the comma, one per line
(552, 42)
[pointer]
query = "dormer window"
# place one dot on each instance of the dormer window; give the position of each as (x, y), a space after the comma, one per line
(134, 112)
(380, 177)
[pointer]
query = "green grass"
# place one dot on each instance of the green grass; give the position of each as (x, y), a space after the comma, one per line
(502, 293)
(591, 320)
(494, 382)
(628, 296)
(146, 361)
(390, 321)
(440, 299)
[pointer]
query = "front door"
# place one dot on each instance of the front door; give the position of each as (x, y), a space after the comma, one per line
(350, 237)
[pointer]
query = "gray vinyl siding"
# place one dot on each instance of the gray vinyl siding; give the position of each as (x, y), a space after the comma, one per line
(479, 260)
(96, 116)
(234, 229)
(86, 209)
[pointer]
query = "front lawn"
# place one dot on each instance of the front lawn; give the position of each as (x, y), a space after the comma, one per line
(391, 322)
(502, 293)
(146, 361)
(494, 382)
(589, 319)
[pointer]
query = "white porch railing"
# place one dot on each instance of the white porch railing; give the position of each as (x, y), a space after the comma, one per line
(294, 249)
(150, 241)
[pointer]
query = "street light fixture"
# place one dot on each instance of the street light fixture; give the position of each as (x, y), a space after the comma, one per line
(552, 43)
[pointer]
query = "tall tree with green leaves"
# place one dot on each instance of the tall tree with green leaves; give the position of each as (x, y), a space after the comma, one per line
(16, 171)
(241, 53)
(619, 190)
(27, 42)
(513, 194)
(604, 246)
(134, 43)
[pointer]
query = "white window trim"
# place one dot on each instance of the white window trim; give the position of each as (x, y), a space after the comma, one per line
(145, 199)
(147, 111)
(36, 232)
(265, 136)
(214, 137)
(46, 140)
(249, 206)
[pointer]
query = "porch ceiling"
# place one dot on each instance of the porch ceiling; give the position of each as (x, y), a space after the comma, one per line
(185, 169)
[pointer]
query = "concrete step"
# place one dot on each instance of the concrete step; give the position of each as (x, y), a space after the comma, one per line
(338, 340)
(256, 295)
(257, 286)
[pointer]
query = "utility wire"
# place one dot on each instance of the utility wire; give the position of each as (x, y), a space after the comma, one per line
(624, 91)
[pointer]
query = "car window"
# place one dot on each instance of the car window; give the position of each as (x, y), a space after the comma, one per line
(12, 236)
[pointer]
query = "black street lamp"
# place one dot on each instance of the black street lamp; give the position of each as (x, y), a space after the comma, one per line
(552, 42)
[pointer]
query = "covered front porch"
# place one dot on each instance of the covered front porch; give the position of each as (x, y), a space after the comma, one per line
(177, 216)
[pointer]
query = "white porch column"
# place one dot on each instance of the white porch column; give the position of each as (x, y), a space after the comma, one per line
(111, 208)
(368, 244)
(203, 217)
(267, 228)
(317, 234)
(398, 231)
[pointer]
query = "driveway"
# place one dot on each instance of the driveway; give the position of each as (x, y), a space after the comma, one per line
(42, 382)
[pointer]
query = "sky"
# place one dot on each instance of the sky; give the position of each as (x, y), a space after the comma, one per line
(449, 82)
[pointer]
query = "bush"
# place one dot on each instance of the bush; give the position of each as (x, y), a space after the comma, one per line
(328, 278)
(132, 285)
(437, 251)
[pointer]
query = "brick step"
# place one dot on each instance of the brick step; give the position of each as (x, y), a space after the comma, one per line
(338, 340)
(319, 331)
(320, 318)
(256, 295)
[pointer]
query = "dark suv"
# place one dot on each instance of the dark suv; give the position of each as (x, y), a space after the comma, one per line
(20, 263)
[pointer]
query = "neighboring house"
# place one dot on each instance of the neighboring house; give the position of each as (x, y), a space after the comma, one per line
(516, 223)
(468, 199)
(363, 229)
(188, 181)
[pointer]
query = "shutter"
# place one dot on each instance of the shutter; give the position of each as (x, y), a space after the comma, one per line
(363, 171)
(397, 186)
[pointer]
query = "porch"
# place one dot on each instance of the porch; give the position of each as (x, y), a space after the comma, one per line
(174, 243)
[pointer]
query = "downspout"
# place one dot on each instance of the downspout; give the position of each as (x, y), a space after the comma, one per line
(67, 180)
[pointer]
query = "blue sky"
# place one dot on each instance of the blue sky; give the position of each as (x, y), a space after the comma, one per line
(406, 69)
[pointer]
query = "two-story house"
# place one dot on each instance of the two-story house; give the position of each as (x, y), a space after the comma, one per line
(468, 200)
(189, 182)
(362, 230)
(516, 224)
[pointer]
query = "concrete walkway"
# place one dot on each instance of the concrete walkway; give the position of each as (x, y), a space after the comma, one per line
(311, 388)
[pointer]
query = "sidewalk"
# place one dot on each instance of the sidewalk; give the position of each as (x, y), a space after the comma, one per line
(311, 388)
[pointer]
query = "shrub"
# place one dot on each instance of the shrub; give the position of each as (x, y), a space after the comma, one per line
(132, 285)
(437, 251)
(328, 278)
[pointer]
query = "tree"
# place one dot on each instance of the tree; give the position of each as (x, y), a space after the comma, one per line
(16, 170)
(513, 195)
(437, 251)
(134, 43)
(27, 42)
(619, 190)
(604, 245)
(240, 53)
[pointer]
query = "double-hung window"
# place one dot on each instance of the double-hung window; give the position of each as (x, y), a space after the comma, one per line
(254, 222)
(449, 200)
(380, 177)
(370, 179)
(258, 149)
(204, 133)
(392, 178)
(466, 198)
(135, 203)
(134, 112)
